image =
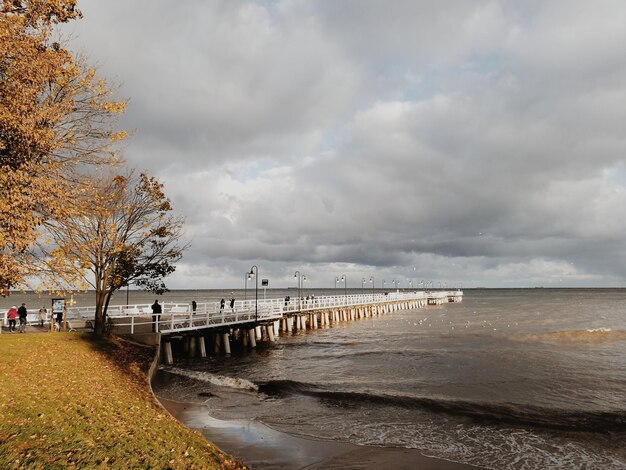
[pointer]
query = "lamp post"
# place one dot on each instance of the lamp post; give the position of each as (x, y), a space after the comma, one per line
(383, 284)
(373, 287)
(395, 284)
(411, 283)
(254, 271)
(344, 278)
(296, 276)
(336, 281)
(362, 284)
(245, 285)
(300, 278)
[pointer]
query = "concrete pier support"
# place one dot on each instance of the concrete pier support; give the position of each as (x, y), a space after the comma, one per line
(252, 337)
(276, 326)
(192, 346)
(167, 353)
(259, 336)
(270, 333)
(226, 343)
(217, 341)
(201, 346)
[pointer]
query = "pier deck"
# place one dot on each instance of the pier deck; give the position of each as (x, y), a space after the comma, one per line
(179, 318)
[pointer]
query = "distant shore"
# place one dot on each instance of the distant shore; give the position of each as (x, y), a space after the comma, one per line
(262, 447)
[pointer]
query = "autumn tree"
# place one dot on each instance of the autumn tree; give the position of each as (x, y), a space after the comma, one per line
(56, 118)
(121, 231)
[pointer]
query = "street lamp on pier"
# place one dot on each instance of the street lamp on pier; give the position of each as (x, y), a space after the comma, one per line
(395, 284)
(245, 285)
(344, 278)
(300, 278)
(254, 272)
(373, 287)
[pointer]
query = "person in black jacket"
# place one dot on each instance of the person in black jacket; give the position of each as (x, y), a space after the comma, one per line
(22, 313)
(156, 315)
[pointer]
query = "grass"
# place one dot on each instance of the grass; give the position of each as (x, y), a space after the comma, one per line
(68, 400)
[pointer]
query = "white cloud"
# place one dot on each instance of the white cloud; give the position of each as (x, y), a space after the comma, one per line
(480, 142)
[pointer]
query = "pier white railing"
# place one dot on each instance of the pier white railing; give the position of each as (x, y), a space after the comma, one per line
(180, 317)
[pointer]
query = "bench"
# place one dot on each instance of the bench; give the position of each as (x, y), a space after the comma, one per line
(131, 311)
(183, 309)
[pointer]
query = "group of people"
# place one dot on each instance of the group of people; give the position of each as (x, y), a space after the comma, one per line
(14, 314)
(231, 303)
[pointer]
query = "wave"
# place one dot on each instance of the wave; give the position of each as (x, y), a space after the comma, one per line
(509, 413)
(586, 336)
(220, 380)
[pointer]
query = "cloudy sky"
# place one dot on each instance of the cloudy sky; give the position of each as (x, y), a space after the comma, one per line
(476, 142)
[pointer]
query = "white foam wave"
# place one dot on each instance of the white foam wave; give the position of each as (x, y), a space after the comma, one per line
(599, 330)
(220, 380)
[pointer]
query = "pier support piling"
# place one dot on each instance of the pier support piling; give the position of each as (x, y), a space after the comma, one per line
(167, 350)
(201, 346)
(252, 337)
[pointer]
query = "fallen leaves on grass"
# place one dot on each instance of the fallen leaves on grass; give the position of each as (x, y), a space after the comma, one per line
(69, 400)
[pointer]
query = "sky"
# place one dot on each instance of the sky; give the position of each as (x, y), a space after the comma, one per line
(464, 143)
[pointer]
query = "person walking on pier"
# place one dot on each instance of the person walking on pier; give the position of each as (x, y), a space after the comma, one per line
(156, 315)
(222, 303)
(43, 313)
(12, 315)
(194, 305)
(23, 313)
(59, 320)
(232, 304)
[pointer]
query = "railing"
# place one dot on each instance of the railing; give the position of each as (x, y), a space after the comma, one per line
(180, 317)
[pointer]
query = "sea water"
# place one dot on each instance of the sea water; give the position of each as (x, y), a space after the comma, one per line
(507, 379)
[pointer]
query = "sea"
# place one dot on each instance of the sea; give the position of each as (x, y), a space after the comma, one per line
(506, 379)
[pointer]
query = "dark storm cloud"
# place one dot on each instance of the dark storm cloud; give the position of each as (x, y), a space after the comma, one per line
(477, 141)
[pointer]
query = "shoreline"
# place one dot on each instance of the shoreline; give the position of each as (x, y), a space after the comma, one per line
(262, 447)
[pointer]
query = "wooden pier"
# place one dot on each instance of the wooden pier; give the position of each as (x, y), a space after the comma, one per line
(250, 321)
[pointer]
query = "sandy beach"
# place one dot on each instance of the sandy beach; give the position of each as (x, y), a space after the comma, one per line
(262, 447)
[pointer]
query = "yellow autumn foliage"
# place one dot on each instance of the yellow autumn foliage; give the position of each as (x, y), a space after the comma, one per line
(56, 119)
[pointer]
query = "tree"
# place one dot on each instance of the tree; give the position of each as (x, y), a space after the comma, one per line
(120, 231)
(56, 118)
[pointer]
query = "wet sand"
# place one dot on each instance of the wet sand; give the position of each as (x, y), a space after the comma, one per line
(262, 447)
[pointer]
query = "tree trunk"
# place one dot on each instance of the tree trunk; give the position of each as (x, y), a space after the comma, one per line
(100, 317)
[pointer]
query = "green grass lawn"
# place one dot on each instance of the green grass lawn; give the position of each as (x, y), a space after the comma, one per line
(68, 400)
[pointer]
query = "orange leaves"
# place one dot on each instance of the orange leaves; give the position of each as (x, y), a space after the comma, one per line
(56, 116)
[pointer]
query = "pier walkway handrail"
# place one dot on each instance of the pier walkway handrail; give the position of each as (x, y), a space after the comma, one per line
(180, 317)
